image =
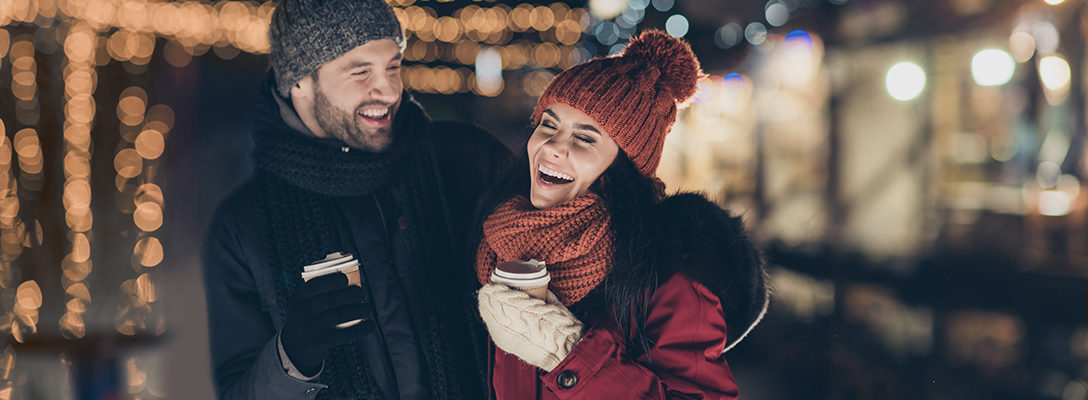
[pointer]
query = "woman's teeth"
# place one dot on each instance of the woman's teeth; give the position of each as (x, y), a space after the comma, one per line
(377, 113)
(556, 176)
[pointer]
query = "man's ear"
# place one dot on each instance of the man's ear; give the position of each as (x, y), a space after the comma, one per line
(302, 98)
(303, 90)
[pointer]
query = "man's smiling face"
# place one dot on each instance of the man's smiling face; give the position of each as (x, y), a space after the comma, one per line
(354, 97)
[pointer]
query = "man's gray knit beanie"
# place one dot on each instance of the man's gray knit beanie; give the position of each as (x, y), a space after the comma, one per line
(306, 34)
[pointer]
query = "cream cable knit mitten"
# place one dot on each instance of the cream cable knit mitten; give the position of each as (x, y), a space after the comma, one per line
(541, 334)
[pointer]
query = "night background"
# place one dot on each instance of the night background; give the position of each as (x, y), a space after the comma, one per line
(914, 169)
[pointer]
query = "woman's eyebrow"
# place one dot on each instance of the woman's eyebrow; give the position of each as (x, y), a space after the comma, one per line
(553, 115)
(587, 128)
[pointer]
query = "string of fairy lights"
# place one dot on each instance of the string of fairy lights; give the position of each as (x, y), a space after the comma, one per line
(79, 83)
(91, 34)
(476, 36)
(25, 147)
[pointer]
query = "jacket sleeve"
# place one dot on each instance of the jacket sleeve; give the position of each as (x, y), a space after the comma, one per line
(244, 342)
(687, 328)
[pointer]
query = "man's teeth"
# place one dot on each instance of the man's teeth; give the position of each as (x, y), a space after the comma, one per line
(555, 174)
(374, 113)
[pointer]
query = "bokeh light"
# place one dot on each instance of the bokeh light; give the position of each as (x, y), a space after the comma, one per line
(607, 33)
(75, 270)
(755, 33)
(81, 248)
(128, 163)
(905, 81)
(728, 35)
(1022, 46)
(992, 67)
(489, 72)
(1054, 72)
(29, 295)
(1054, 203)
(777, 13)
(1048, 174)
(1046, 37)
(677, 26)
(733, 84)
(148, 251)
(150, 144)
(145, 288)
(148, 217)
(798, 45)
(607, 9)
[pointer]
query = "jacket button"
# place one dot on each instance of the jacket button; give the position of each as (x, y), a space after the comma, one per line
(567, 379)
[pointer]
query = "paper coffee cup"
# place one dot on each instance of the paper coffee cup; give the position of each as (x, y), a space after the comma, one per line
(336, 262)
(530, 276)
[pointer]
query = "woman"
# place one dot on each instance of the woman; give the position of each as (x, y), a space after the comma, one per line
(647, 292)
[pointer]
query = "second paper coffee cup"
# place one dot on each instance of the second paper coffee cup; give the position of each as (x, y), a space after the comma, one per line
(531, 277)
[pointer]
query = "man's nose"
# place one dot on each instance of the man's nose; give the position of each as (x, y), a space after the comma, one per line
(384, 89)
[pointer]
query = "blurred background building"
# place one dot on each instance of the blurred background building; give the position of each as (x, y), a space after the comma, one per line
(915, 169)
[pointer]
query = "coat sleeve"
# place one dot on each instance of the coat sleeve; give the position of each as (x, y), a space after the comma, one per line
(687, 328)
(244, 342)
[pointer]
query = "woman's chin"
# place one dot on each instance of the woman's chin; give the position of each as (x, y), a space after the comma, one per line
(542, 202)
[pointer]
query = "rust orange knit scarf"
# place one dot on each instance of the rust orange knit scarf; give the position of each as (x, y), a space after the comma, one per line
(574, 239)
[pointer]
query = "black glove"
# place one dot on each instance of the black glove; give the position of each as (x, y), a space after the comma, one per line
(316, 307)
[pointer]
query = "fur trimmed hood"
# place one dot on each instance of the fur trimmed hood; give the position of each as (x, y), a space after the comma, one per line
(709, 245)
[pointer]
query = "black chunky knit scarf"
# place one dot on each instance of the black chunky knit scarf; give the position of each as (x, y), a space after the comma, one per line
(297, 175)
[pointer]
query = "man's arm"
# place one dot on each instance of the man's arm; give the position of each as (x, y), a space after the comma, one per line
(243, 339)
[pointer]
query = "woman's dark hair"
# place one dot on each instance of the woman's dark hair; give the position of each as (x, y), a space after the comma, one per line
(631, 199)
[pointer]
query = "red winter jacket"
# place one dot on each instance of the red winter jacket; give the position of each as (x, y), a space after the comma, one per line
(714, 292)
(687, 328)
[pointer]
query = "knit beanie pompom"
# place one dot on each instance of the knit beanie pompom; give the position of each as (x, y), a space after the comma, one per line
(634, 95)
(679, 69)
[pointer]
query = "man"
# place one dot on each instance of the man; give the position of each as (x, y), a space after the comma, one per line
(346, 162)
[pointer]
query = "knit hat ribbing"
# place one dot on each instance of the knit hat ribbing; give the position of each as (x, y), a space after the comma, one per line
(306, 34)
(633, 95)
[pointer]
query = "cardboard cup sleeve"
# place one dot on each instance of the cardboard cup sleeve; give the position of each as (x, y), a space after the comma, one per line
(528, 276)
(333, 263)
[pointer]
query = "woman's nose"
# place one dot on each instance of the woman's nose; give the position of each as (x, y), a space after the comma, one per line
(555, 148)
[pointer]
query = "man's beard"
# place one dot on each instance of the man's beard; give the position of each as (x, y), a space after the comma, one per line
(342, 125)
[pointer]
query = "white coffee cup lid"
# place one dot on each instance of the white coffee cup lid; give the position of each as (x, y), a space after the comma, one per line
(517, 276)
(537, 281)
(330, 261)
(343, 267)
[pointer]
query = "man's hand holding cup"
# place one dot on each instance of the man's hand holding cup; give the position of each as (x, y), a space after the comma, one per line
(326, 311)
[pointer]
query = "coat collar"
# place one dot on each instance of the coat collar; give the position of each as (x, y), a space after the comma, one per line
(709, 245)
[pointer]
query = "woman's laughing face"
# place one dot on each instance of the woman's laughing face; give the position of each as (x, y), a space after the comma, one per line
(568, 151)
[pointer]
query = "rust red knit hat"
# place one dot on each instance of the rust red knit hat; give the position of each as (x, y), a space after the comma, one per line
(633, 95)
